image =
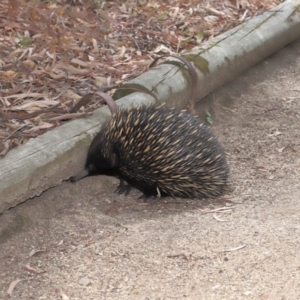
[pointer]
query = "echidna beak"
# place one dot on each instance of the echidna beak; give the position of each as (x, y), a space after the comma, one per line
(83, 173)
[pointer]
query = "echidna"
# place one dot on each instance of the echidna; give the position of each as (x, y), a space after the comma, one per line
(161, 151)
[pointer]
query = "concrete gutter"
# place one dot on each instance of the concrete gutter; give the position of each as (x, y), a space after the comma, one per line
(53, 157)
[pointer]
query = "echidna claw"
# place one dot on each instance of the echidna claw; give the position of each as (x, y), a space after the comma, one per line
(123, 188)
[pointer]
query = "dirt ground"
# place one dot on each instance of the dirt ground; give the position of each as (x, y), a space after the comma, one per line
(95, 244)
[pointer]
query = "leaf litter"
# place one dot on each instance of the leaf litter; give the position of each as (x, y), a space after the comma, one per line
(52, 53)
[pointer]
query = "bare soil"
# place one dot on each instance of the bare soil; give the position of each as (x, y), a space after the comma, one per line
(98, 245)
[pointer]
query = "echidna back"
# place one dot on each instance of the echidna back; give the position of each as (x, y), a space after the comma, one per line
(163, 150)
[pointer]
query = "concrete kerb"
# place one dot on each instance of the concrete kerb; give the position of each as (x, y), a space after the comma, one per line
(53, 157)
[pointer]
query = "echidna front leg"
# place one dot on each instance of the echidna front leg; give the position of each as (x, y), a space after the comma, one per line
(123, 187)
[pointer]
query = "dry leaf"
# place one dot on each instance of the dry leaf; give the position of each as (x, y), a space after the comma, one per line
(30, 269)
(219, 219)
(233, 249)
(5, 148)
(13, 285)
(35, 251)
(44, 125)
(33, 105)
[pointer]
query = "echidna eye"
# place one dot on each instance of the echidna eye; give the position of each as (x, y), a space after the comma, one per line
(91, 168)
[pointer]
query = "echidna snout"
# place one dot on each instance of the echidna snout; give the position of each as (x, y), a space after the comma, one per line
(83, 173)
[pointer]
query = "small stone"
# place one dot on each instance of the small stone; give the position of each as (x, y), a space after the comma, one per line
(84, 281)
(247, 293)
